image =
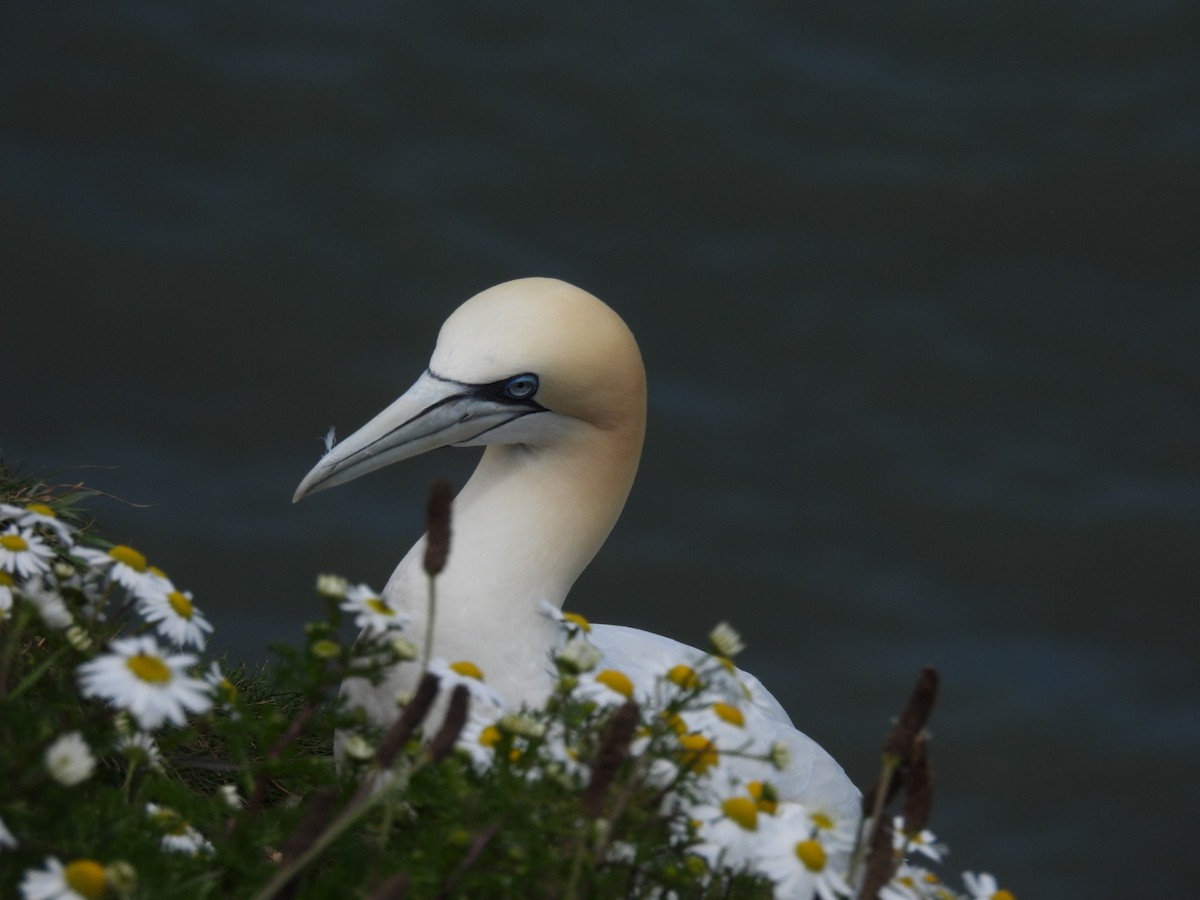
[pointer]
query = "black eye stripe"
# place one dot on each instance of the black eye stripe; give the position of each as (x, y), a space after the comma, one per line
(516, 389)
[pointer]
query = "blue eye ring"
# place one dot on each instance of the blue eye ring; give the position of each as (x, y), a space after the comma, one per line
(521, 387)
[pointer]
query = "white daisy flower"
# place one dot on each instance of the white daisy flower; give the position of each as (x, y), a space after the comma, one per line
(922, 842)
(578, 655)
(176, 618)
(70, 759)
(230, 797)
(608, 687)
(124, 565)
(138, 677)
(372, 612)
(178, 835)
(797, 862)
(357, 747)
(6, 595)
(37, 514)
(915, 883)
(726, 723)
(49, 604)
(479, 738)
(24, 553)
(141, 750)
(224, 689)
(469, 675)
(7, 841)
(574, 623)
(984, 887)
(80, 879)
(729, 832)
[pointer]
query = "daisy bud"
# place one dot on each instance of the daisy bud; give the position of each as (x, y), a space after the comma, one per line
(781, 755)
(726, 641)
(78, 638)
(357, 747)
(230, 797)
(326, 649)
(332, 586)
(121, 877)
(404, 649)
(578, 655)
(522, 726)
(63, 571)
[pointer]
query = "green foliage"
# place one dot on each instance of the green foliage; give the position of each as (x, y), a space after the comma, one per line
(593, 795)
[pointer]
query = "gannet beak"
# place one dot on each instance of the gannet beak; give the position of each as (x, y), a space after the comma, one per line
(434, 412)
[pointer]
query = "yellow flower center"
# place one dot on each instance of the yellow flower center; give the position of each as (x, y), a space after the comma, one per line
(6, 580)
(812, 854)
(490, 736)
(378, 606)
(41, 509)
(1003, 895)
(743, 811)
(85, 877)
(674, 721)
(616, 681)
(728, 713)
(149, 668)
(230, 689)
(467, 669)
(170, 821)
(822, 821)
(699, 753)
(764, 797)
(578, 621)
(129, 557)
(181, 604)
(684, 676)
(14, 543)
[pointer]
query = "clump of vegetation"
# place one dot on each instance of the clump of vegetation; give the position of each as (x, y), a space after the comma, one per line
(130, 767)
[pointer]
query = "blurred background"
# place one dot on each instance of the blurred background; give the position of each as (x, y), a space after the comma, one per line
(916, 286)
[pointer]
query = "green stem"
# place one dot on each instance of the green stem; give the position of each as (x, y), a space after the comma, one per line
(890, 765)
(10, 647)
(430, 610)
(366, 797)
(31, 679)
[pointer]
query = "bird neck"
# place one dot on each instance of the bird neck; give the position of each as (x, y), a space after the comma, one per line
(524, 527)
(534, 517)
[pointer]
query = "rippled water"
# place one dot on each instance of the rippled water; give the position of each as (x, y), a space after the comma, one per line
(916, 288)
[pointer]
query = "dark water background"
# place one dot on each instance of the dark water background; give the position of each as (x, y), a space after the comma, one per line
(916, 285)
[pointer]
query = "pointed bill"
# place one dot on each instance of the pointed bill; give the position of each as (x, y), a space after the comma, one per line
(434, 412)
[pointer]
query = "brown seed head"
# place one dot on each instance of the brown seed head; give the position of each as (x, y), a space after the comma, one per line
(916, 713)
(437, 526)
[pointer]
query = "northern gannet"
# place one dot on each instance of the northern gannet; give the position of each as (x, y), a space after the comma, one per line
(550, 381)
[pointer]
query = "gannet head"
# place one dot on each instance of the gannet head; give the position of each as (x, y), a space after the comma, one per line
(529, 362)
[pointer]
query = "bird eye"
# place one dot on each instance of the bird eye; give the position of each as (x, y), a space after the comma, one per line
(521, 387)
